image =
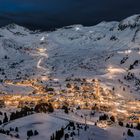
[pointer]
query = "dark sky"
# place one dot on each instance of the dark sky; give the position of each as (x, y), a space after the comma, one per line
(49, 14)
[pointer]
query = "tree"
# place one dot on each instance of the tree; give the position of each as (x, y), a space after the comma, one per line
(41, 107)
(138, 126)
(66, 110)
(78, 108)
(69, 128)
(120, 123)
(52, 137)
(44, 107)
(74, 127)
(5, 120)
(17, 135)
(85, 127)
(112, 118)
(62, 132)
(36, 133)
(1, 113)
(7, 132)
(130, 133)
(12, 116)
(5, 57)
(103, 117)
(68, 85)
(113, 88)
(131, 126)
(29, 133)
(0, 122)
(16, 129)
(11, 129)
(59, 134)
(66, 136)
(127, 125)
(50, 108)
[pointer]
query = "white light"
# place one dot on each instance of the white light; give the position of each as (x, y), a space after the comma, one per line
(115, 70)
(77, 28)
(119, 95)
(128, 51)
(56, 80)
(125, 52)
(42, 39)
(89, 80)
(120, 52)
(44, 78)
(121, 111)
(41, 50)
(90, 31)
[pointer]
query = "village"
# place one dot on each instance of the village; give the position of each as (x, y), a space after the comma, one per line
(76, 94)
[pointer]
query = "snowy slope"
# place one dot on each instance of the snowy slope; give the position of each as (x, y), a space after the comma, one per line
(78, 51)
(109, 51)
(47, 124)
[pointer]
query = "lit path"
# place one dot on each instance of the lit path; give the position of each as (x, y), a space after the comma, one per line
(43, 55)
(39, 64)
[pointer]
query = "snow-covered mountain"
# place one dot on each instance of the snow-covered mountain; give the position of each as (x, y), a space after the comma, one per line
(109, 50)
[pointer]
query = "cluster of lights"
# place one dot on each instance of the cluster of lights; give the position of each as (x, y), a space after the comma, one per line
(115, 103)
(125, 52)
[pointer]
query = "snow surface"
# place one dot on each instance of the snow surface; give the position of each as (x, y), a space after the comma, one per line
(105, 51)
(47, 124)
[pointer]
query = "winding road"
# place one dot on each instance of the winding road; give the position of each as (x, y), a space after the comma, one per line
(43, 55)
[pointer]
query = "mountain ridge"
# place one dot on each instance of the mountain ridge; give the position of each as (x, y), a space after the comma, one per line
(72, 51)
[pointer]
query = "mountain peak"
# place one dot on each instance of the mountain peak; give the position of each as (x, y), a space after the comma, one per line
(132, 22)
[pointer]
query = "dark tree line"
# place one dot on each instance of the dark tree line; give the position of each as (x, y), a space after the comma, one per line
(19, 114)
(31, 133)
(44, 107)
(8, 132)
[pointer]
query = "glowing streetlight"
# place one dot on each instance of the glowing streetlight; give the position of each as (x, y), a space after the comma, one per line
(42, 39)
(41, 50)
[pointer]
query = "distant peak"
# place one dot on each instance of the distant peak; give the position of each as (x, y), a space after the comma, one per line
(12, 26)
(15, 27)
(132, 22)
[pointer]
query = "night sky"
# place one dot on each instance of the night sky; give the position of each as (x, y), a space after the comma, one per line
(50, 14)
